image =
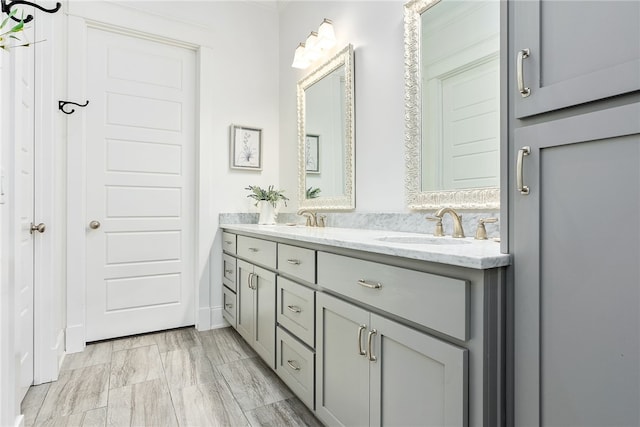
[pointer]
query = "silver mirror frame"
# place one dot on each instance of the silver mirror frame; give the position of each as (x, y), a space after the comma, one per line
(473, 198)
(344, 58)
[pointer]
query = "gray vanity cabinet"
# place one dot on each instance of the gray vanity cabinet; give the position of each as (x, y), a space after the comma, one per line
(578, 51)
(424, 378)
(256, 316)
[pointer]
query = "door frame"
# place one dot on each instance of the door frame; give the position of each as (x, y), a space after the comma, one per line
(96, 17)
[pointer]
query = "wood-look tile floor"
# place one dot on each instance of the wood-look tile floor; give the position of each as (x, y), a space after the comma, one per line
(180, 377)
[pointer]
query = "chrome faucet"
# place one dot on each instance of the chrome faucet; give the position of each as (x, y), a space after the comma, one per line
(457, 221)
(312, 220)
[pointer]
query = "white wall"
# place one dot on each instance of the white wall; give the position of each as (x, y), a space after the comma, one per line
(376, 30)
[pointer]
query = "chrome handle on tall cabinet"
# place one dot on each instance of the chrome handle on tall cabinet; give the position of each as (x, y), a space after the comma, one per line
(361, 352)
(524, 151)
(372, 358)
(250, 281)
(522, 55)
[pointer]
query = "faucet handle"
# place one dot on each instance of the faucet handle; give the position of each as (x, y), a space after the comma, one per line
(481, 232)
(320, 220)
(438, 232)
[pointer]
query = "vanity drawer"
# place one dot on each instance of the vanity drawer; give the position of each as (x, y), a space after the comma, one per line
(229, 242)
(229, 306)
(229, 271)
(296, 310)
(298, 262)
(257, 251)
(295, 365)
(437, 302)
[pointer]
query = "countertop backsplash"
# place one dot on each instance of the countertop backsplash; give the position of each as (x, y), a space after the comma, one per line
(405, 222)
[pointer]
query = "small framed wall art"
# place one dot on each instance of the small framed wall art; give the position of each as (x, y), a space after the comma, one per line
(312, 153)
(246, 148)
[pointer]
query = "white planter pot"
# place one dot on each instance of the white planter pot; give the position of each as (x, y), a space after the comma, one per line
(267, 213)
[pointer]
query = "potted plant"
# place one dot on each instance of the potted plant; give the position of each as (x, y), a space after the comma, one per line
(267, 200)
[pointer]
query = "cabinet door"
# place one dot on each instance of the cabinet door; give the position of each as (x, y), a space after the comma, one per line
(342, 373)
(416, 379)
(264, 340)
(580, 51)
(245, 313)
(576, 296)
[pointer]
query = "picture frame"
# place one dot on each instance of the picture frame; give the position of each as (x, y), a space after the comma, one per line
(312, 153)
(245, 151)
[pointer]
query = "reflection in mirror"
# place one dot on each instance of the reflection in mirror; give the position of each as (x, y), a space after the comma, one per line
(452, 60)
(325, 135)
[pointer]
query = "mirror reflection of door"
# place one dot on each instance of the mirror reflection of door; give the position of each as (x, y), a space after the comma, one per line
(325, 130)
(460, 94)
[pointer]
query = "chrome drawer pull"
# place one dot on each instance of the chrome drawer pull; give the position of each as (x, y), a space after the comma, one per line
(253, 249)
(372, 358)
(292, 366)
(228, 242)
(229, 305)
(228, 271)
(294, 261)
(370, 285)
(294, 308)
(361, 352)
(522, 55)
(250, 280)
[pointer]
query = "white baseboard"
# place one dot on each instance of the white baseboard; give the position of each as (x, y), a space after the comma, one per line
(75, 339)
(217, 321)
(60, 350)
(204, 319)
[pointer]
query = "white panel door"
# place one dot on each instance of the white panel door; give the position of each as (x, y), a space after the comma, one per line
(471, 127)
(140, 185)
(23, 128)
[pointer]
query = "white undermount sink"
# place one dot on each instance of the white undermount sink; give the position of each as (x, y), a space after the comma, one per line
(423, 240)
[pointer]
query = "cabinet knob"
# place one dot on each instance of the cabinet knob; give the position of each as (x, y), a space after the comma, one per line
(39, 228)
(94, 225)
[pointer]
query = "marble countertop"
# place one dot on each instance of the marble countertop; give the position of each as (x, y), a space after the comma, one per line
(477, 254)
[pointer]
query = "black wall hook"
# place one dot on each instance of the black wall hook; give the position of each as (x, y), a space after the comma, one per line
(61, 105)
(6, 8)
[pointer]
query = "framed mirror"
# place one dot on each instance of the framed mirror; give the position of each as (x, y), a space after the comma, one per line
(326, 135)
(452, 101)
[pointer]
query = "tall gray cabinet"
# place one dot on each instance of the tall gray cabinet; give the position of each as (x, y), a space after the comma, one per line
(574, 212)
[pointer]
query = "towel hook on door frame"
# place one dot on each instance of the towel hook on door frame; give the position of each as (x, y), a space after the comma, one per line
(6, 8)
(61, 105)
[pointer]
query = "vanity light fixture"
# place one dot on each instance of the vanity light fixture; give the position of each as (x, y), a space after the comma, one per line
(315, 45)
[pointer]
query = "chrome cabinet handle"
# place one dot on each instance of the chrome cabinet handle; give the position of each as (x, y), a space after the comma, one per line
(361, 352)
(524, 151)
(228, 271)
(94, 225)
(522, 55)
(294, 308)
(372, 358)
(294, 261)
(253, 249)
(228, 242)
(370, 285)
(39, 228)
(292, 366)
(229, 305)
(250, 281)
